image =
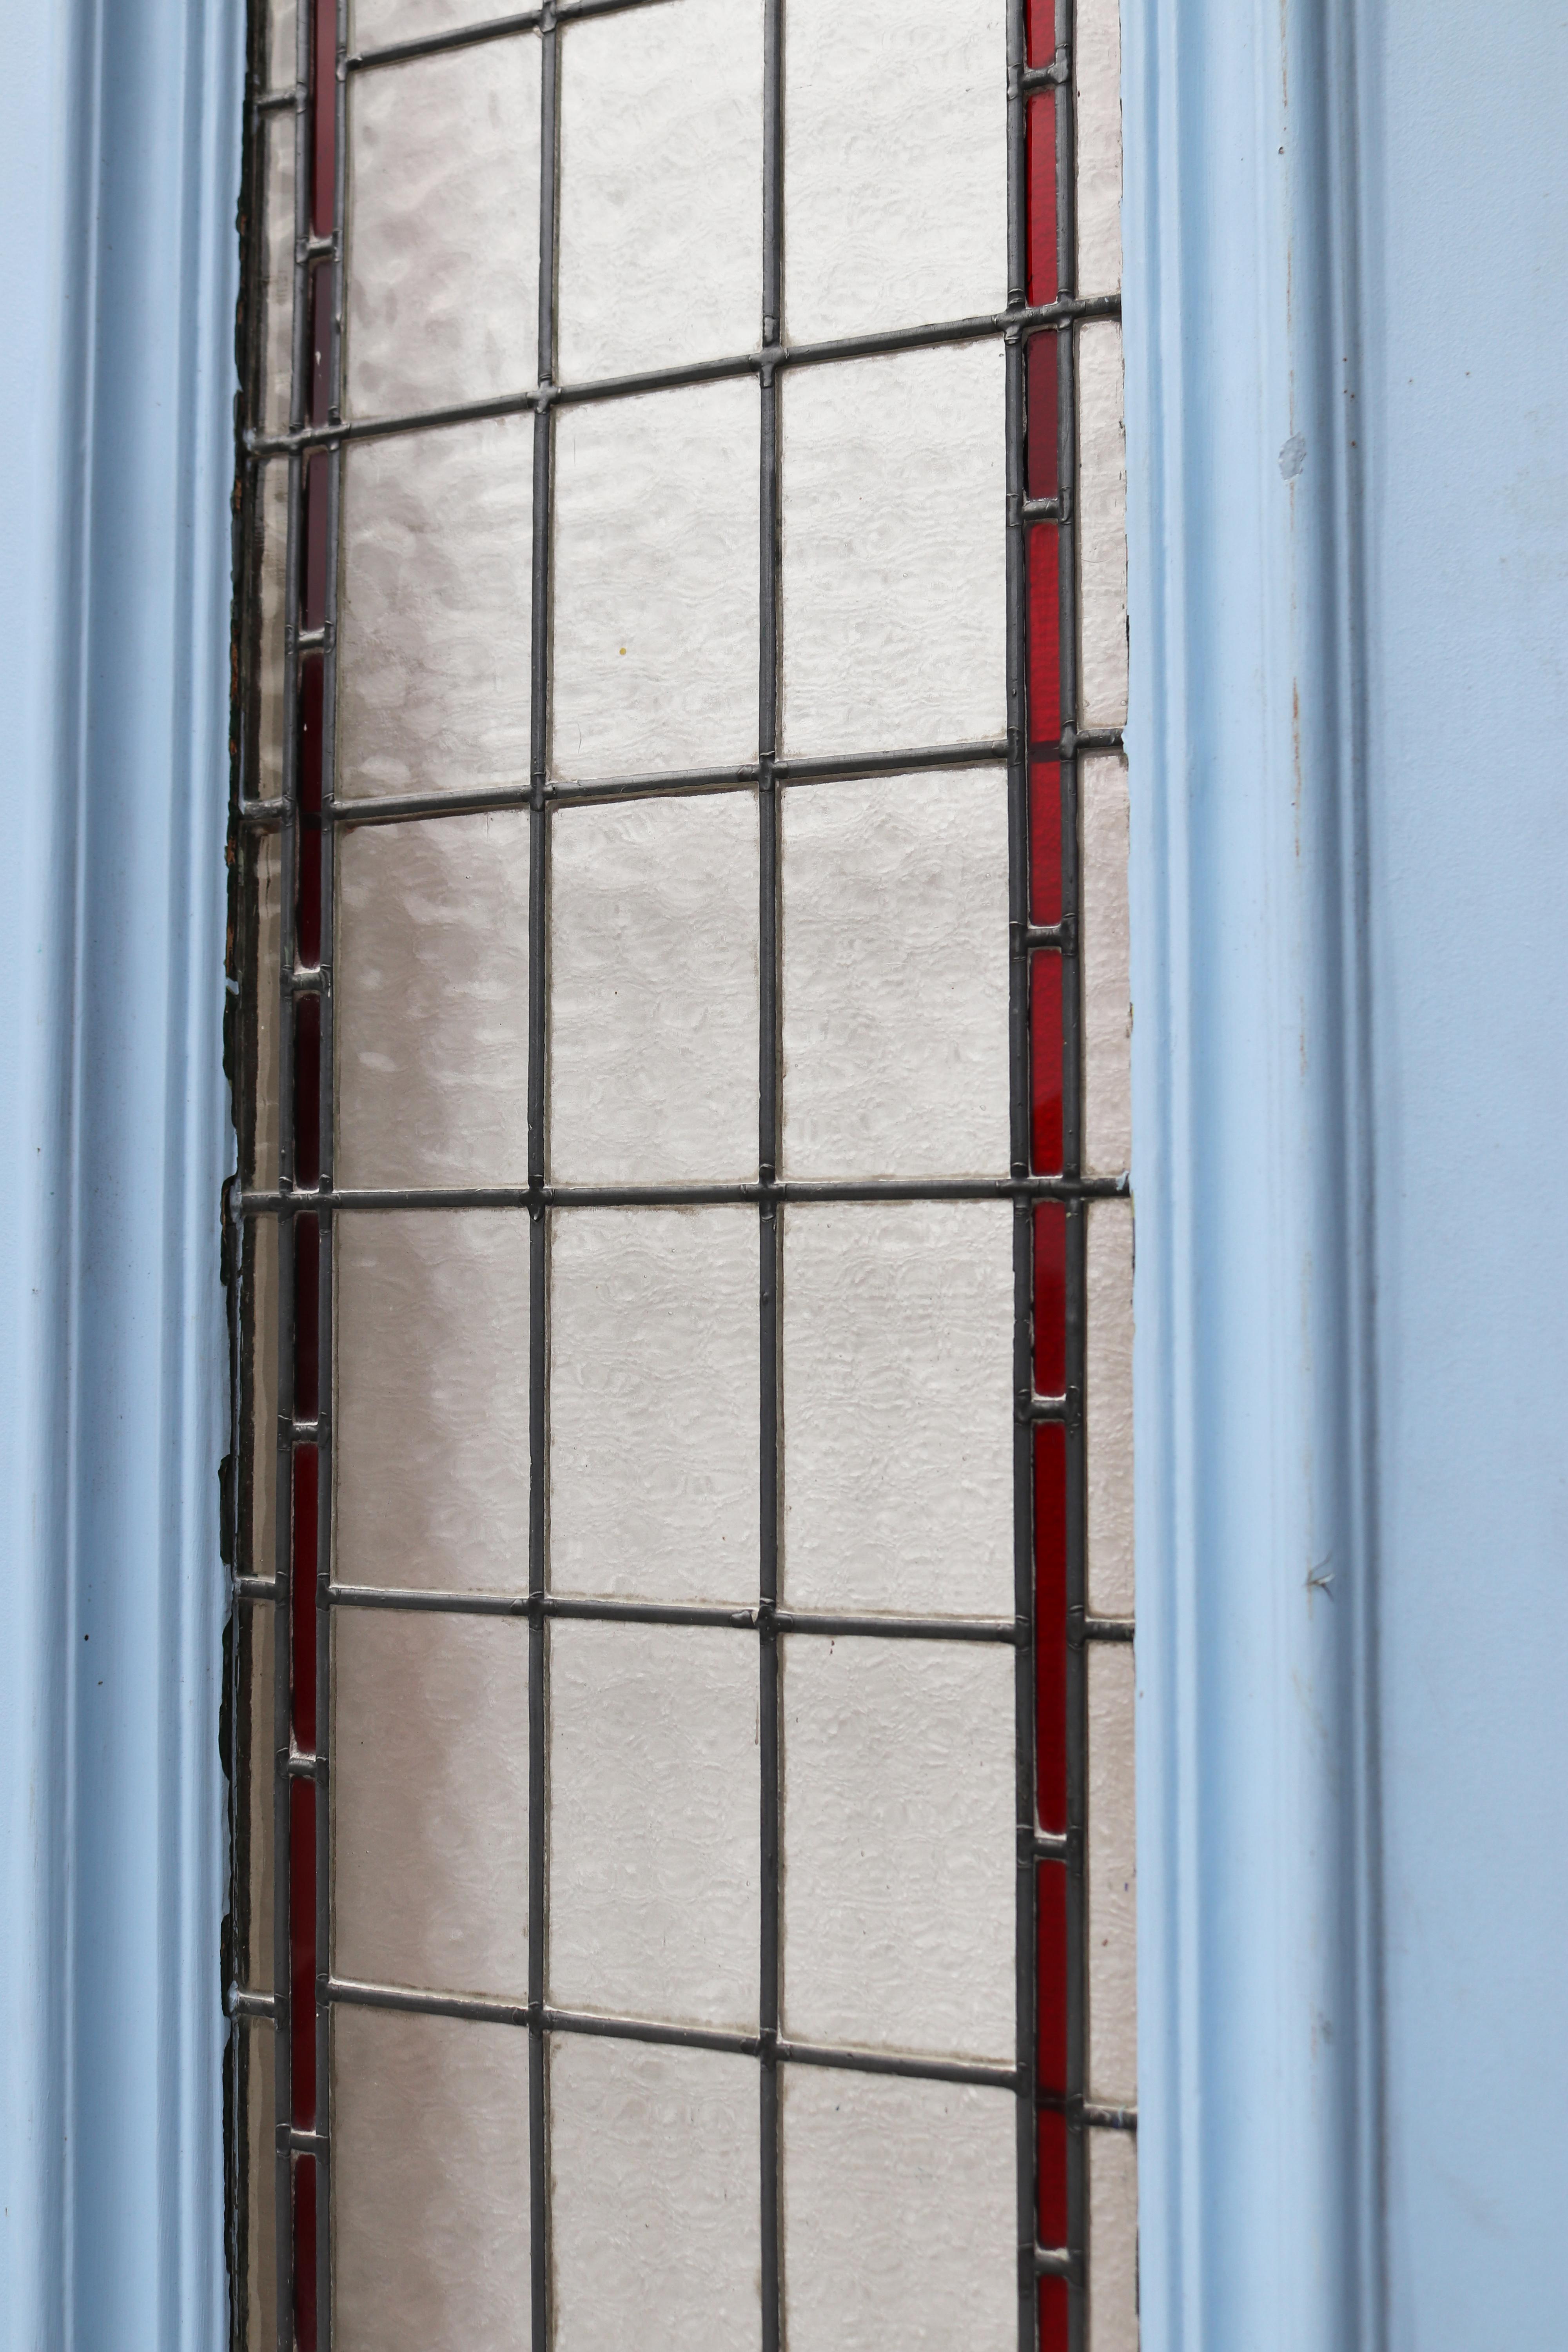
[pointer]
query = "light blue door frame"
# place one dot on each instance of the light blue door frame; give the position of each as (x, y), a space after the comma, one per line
(1347, 307)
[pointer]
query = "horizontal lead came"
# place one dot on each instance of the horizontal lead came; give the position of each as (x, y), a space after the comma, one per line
(784, 1190)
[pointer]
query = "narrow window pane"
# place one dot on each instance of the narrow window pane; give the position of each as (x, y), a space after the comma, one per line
(654, 1405)
(1111, 1878)
(654, 1792)
(1107, 982)
(1097, 80)
(895, 164)
(897, 1408)
(432, 1433)
(899, 2208)
(432, 1001)
(278, 266)
(1045, 1060)
(1102, 523)
(1045, 635)
(1113, 2234)
(1043, 281)
(430, 2202)
(661, 169)
(653, 994)
(895, 977)
(377, 23)
(255, 2215)
(899, 1845)
(894, 551)
(1108, 1408)
(655, 2194)
(443, 260)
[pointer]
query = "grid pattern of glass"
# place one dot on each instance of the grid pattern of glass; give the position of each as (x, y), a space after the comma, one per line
(666, 1568)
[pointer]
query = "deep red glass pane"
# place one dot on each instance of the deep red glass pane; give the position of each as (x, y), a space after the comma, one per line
(1050, 1298)
(1045, 636)
(1054, 2308)
(1040, 31)
(1043, 279)
(1051, 1932)
(323, 109)
(1046, 1062)
(1050, 1627)
(302, 1946)
(303, 1599)
(1045, 842)
(1042, 453)
(1053, 2181)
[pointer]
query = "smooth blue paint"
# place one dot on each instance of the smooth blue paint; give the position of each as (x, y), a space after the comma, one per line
(118, 147)
(1345, 230)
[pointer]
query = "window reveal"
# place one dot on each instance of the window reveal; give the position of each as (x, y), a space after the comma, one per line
(805, 1139)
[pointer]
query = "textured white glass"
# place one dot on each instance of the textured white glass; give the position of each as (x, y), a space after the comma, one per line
(258, 2054)
(280, 38)
(430, 1800)
(654, 1792)
(272, 558)
(377, 23)
(1096, 82)
(433, 692)
(654, 1404)
(900, 2214)
(255, 1743)
(1108, 1408)
(278, 273)
(894, 551)
(443, 244)
(1102, 524)
(1113, 2234)
(895, 976)
(263, 1342)
(661, 187)
(895, 164)
(1107, 980)
(656, 2195)
(897, 1408)
(653, 995)
(431, 1453)
(432, 1001)
(899, 1845)
(430, 2191)
(262, 1164)
(655, 604)
(1111, 1872)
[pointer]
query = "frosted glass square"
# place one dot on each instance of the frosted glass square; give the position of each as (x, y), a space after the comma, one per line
(661, 187)
(654, 1796)
(899, 1864)
(431, 1456)
(655, 2197)
(430, 1800)
(653, 996)
(656, 582)
(1102, 523)
(1096, 83)
(443, 251)
(654, 1405)
(895, 976)
(277, 270)
(378, 23)
(430, 2186)
(1107, 977)
(432, 1001)
(1111, 1870)
(897, 1408)
(437, 555)
(1113, 2234)
(900, 2214)
(1108, 1407)
(895, 164)
(894, 551)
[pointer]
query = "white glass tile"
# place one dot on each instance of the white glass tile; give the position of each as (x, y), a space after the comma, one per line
(900, 2214)
(654, 1793)
(895, 164)
(1113, 2234)
(895, 976)
(377, 23)
(430, 1800)
(257, 2046)
(272, 557)
(280, 39)
(1097, 81)
(430, 2191)
(1108, 1408)
(443, 248)
(656, 582)
(438, 553)
(256, 1634)
(1107, 981)
(653, 997)
(655, 2197)
(261, 1167)
(277, 272)
(431, 1452)
(1102, 524)
(899, 1864)
(1111, 1870)
(894, 551)
(263, 1338)
(654, 1404)
(662, 180)
(897, 1408)
(432, 1001)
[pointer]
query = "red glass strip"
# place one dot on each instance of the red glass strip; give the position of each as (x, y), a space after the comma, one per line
(1043, 276)
(1045, 636)
(1040, 31)
(1046, 1062)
